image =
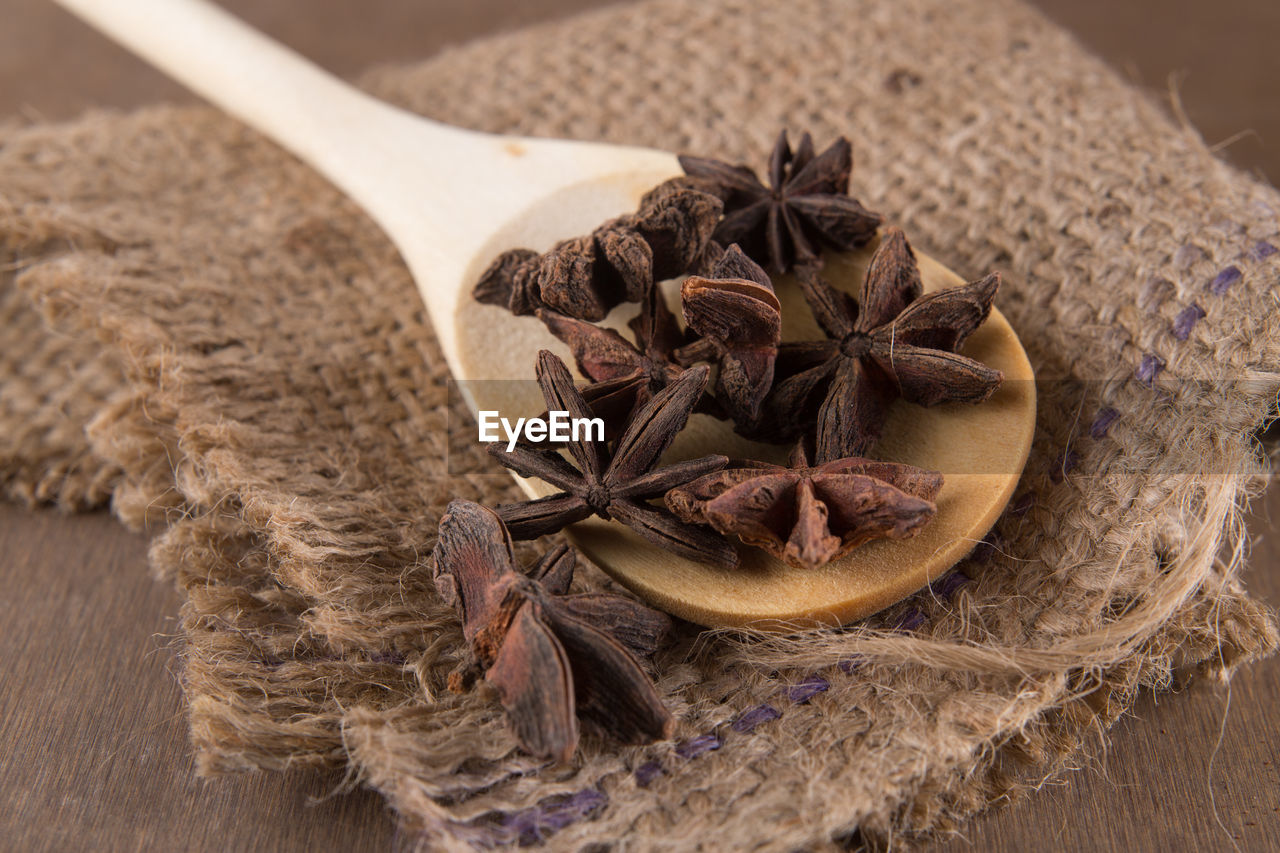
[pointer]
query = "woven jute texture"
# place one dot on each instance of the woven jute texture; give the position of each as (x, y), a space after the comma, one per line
(235, 354)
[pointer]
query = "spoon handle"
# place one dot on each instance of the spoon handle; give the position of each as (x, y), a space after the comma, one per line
(323, 120)
(420, 179)
(450, 199)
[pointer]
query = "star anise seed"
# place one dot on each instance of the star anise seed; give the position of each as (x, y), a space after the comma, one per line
(551, 656)
(808, 515)
(805, 207)
(616, 485)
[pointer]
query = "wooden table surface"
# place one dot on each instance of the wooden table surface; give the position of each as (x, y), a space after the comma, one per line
(93, 749)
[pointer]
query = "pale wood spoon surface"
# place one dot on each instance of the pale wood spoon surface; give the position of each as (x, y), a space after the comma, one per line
(452, 199)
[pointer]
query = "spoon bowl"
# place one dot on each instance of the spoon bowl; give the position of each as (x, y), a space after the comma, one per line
(980, 449)
(452, 200)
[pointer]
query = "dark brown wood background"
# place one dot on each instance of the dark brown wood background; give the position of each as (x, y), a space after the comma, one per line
(93, 749)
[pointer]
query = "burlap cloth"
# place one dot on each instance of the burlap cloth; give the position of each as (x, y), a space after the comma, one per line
(234, 350)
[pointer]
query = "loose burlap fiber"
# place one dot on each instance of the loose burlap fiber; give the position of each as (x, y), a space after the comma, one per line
(232, 351)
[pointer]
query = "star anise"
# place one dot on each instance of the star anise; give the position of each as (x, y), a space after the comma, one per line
(587, 276)
(676, 219)
(551, 656)
(624, 375)
(618, 485)
(809, 515)
(805, 207)
(736, 311)
(893, 343)
(511, 281)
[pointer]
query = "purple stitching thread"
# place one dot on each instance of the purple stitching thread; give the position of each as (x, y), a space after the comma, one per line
(647, 772)
(1186, 321)
(1105, 418)
(850, 664)
(695, 746)
(538, 822)
(1262, 251)
(801, 693)
(910, 620)
(949, 584)
(1224, 279)
(752, 717)
(1149, 369)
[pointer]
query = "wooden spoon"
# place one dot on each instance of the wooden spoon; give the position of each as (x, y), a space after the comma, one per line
(452, 199)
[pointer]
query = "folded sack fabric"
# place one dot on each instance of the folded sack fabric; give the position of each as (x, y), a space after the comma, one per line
(234, 350)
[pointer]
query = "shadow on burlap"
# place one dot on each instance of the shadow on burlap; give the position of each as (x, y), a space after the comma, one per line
(259, 383)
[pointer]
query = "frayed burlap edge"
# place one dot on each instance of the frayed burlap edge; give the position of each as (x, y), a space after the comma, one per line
(1103, 270)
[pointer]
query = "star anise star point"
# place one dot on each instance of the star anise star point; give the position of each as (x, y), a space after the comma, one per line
(805, 207)
(809, 515)
(616, 485)
(550, 655)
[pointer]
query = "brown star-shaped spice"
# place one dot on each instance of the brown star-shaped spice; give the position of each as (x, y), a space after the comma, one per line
(551, 656)
(894, 343)
(624, 375)
(676, 219)
(587, 276)
(808, 515)
(805, 207)
(735, 310)
(616, 485)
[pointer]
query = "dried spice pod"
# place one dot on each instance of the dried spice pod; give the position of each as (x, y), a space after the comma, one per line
(573, 280)
(737, 313)
(511, 282)
(808, 515)
(676, 221)
(551, 656)
(626, 375)
(586, 276)
(893, 343)
(805, 207)
(841, 419)
(616, 485)
(627, 267)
